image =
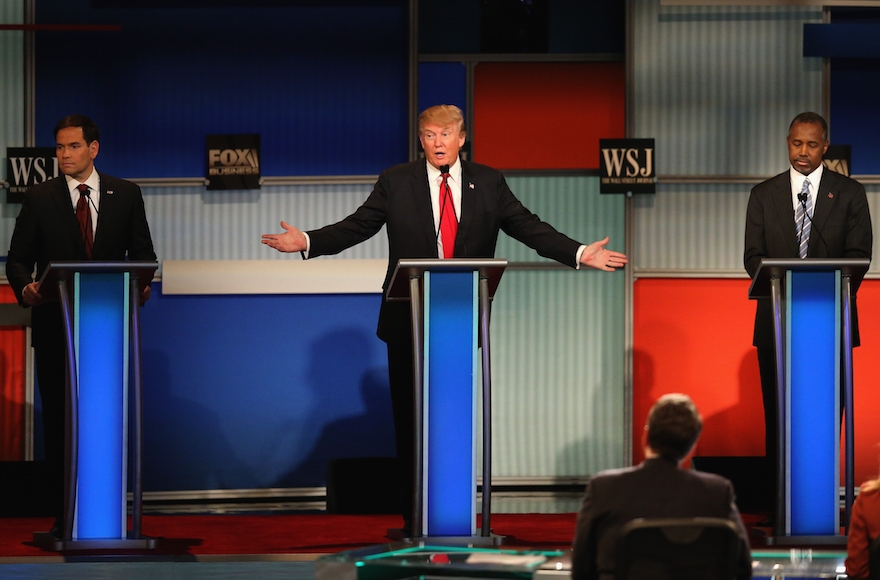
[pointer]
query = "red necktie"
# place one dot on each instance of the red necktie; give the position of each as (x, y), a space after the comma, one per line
(448, 221)
(84, 216)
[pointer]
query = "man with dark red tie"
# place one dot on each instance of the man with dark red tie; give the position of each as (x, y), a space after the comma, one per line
(81, 215)
(415, 202)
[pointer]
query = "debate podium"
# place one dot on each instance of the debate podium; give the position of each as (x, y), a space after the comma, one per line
(100, 312)
(449, 306)
(812, 303)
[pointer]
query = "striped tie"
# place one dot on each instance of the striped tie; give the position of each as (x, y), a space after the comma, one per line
(803, 218)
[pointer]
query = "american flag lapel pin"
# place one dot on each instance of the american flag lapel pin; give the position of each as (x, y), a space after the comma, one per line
(109, 192)
(830, 195)
(471, 184)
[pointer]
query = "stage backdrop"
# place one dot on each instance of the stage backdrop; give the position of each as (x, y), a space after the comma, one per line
(695, 337)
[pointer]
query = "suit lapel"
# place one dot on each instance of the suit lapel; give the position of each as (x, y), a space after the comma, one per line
(105, 210)
(826, 197)
(61, 198)
(468, 204)
(785, 211)
(421, 193)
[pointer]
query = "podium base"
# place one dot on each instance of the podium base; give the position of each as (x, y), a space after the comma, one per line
(805, 540)
(397, 535)
(48, 541)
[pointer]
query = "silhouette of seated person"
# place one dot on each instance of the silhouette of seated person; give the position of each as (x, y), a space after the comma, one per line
(656, 488)
(864, 528)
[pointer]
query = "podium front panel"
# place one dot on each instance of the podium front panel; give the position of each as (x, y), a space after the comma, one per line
(101, 337)
(449, 429)
(813, 402)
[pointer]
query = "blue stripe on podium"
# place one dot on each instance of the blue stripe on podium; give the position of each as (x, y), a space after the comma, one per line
(450, 402)
(813, 407)
(102, 367)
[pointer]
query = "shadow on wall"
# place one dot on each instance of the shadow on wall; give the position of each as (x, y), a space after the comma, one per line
(591, 454)
(184, 440)
(734, 430)
(745, 418)
(363, 425)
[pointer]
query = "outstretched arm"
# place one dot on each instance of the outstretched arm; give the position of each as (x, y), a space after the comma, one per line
(596, 256)
(292, 240)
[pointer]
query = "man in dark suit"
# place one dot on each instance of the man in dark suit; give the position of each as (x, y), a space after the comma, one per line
(407, 201)
(656, 488)
(839, 227)
(48, 230)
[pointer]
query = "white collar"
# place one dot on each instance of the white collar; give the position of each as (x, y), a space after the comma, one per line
(93, 182)
(454, 172)
(797, 179)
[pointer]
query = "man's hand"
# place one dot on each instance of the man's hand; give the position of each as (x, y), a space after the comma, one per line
(30, 295)
(869, 485)
(145, 295)
(292, 240)
(596, 256)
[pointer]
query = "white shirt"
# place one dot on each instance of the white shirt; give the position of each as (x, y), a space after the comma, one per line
(435, 178)
(797, 183)
(94, 184)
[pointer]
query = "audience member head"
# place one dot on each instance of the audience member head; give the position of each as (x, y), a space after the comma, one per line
(673, 427)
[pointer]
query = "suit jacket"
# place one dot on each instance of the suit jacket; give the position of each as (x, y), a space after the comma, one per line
(841, 228)
(47, 230)
(657, 488)
(401, 201)
(864, 527)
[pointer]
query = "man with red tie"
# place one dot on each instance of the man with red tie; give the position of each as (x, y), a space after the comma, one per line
(82, 215)
(414, 201)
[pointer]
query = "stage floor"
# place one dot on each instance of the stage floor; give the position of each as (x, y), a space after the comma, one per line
(795, 563)
(293, 546)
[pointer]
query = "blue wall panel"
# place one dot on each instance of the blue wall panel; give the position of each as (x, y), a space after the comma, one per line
(260, 391)
(854, 121)
(854, 81)
(325, 88)
(442, 83)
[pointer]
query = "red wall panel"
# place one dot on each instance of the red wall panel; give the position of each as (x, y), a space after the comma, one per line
(546, 115)
(12, 386)
(695, 336)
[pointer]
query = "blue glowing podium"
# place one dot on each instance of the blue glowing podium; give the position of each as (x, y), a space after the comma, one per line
(812, 301)
(449, 305)
(100, 311)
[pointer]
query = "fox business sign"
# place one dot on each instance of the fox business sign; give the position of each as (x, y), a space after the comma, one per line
(838, 158)
(627, 166)
(27, 167)
(233, 161)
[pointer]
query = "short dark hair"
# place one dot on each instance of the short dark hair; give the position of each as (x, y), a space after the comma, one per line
(89, 129)
(813, 118)
(674, 425)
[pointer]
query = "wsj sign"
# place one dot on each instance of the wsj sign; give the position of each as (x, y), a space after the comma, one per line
(627, 166)
(27, 167)
(233, 161)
